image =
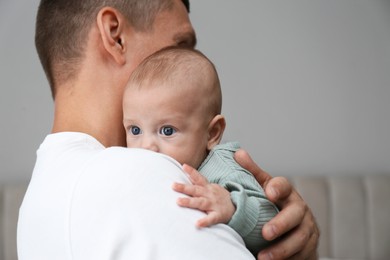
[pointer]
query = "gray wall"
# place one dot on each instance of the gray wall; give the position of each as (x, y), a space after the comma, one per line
(306, 83)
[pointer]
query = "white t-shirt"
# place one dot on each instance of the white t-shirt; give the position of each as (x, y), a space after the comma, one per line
(88, 202)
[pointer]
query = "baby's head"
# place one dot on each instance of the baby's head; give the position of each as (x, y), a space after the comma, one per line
(172, 105)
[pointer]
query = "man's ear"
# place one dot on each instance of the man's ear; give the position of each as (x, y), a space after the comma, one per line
(111, 24)
(215, 130)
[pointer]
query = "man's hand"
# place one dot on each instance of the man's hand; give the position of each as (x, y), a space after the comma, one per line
(294, 225)
(208, 197)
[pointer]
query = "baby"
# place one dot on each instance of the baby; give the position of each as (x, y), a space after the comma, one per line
(172, 105)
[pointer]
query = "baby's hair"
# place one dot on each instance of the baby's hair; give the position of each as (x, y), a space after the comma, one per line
(171, 63)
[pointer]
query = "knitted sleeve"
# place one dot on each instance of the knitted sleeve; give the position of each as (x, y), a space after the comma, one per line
(253, 209)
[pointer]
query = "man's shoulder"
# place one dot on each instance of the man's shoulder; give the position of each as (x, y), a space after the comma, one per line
(117, 177)
(130, 166)
(119, 157)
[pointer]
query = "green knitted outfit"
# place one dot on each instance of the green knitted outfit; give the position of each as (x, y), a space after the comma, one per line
(253, 209)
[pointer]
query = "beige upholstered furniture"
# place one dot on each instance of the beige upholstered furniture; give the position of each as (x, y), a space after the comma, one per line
(10, 198)
(353, 214)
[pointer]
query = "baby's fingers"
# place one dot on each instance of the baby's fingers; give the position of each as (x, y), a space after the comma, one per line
(195, 177)
(194, 203)
(209, 220)
(188, 189)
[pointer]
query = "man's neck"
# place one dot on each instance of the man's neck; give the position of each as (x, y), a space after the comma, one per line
(100, 119)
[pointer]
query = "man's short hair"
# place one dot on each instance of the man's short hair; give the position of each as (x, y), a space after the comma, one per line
(62, 27)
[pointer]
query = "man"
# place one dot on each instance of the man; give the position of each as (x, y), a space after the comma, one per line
(86, 201)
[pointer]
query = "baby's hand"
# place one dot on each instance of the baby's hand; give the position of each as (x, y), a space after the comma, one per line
(208, 197)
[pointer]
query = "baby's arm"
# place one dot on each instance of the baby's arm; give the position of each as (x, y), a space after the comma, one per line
(251, 209)
(208, 197)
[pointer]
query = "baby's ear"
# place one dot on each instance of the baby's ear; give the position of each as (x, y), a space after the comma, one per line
(215, 130)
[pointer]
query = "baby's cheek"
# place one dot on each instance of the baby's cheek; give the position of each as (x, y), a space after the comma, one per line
(173, 152)
(197, 158)
(133, 142)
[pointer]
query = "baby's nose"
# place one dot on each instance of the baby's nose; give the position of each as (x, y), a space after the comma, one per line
(150, 144)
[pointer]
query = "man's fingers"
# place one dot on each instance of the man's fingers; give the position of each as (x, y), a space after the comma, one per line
(290, 217)
(309, 252)
(278, 189)
(284, 248)
(244, 159)
(302, 239)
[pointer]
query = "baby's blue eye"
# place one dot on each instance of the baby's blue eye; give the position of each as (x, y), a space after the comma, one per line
(135, 130)
(167, 130)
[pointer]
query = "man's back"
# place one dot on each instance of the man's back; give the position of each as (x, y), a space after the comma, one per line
(88, 202)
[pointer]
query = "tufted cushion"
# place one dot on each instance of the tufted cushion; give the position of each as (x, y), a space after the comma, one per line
(11, 197)
(353, 214)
